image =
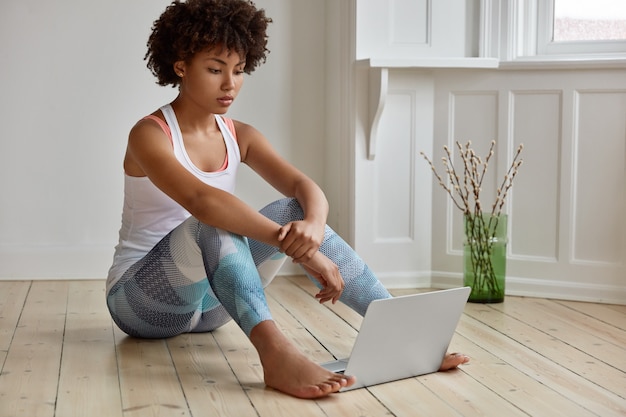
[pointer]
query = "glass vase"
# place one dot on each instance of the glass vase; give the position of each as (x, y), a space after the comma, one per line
(484, 257)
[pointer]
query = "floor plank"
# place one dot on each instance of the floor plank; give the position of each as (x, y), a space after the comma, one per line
(12, 299)
(30, 376)
(614, 315)
(88, 381)
(148, 380)
(413, 397)
(468, 396)
(208, 382)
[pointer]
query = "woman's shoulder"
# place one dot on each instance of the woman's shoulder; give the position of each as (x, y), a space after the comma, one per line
(151, 124)
(245, 130)
(156, 116)
(246, 135)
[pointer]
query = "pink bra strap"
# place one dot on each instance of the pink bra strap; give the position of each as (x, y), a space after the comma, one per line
(231, 126)
(163, 125)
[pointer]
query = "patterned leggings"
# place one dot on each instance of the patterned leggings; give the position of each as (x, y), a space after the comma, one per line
(198, 277)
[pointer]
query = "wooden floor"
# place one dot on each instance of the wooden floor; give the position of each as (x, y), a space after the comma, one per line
(61, 356)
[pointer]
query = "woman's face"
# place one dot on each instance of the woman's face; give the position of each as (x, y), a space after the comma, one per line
(211, 78)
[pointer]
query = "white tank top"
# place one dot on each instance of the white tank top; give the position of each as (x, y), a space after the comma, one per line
(149, 214)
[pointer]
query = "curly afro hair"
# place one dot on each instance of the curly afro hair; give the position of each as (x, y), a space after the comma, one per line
(186, 28)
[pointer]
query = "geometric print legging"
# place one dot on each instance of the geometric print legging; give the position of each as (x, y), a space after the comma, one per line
(198, 277)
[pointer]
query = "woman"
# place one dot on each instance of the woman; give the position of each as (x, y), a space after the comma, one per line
(191, 255)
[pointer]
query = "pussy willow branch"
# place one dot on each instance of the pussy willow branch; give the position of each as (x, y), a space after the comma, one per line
(454, 177)
(474, 170)
(507, 182)
(467, 173)
(486, 163)
(441, 183)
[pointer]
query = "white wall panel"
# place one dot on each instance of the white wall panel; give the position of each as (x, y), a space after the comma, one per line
(412, 28)
(535, 121)
(599, 178)
(409, 22)
(393, 188)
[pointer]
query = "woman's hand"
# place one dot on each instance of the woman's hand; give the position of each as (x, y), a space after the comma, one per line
(327, 274)
(301, 240)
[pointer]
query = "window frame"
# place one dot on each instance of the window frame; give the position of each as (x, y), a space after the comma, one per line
(520, 32)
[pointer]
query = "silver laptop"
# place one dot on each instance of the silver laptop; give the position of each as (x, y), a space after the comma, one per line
(403, 337)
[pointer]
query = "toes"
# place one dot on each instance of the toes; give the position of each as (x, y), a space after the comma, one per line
(338, 378)
(326, 388)
(453, 360)
(350, 380)
(460, 358)
(335, 383)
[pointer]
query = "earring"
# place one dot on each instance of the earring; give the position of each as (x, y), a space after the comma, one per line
(180, 74)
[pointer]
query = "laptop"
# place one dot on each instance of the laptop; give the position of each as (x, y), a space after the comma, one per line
(403, 337)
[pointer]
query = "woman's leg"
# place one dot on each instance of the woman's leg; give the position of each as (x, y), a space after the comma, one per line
(194, 279)
(167, 292)
(361, 285)
(233, 276)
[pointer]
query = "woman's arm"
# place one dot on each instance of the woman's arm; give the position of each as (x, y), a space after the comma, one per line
(300, 239)
(150, 153)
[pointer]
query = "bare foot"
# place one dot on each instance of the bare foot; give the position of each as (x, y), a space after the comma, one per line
(452, 360)
(288, 370)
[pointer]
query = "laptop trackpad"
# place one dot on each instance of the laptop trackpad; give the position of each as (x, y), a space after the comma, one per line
(338, 366)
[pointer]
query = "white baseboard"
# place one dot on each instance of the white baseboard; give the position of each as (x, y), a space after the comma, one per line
(405, 279)
(532, 287)
(41, 262)
(389, 280)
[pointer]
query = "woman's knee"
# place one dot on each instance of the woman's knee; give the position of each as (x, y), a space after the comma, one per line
(283, 211)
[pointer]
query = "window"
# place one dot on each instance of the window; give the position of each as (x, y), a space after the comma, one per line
(581, 26)
(589, 20)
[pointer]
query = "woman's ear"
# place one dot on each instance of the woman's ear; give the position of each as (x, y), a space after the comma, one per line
(179, 68)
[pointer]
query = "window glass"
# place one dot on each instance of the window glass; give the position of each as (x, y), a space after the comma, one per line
(589, 20)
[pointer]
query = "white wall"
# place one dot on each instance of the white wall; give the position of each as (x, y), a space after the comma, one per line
(74, 82)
